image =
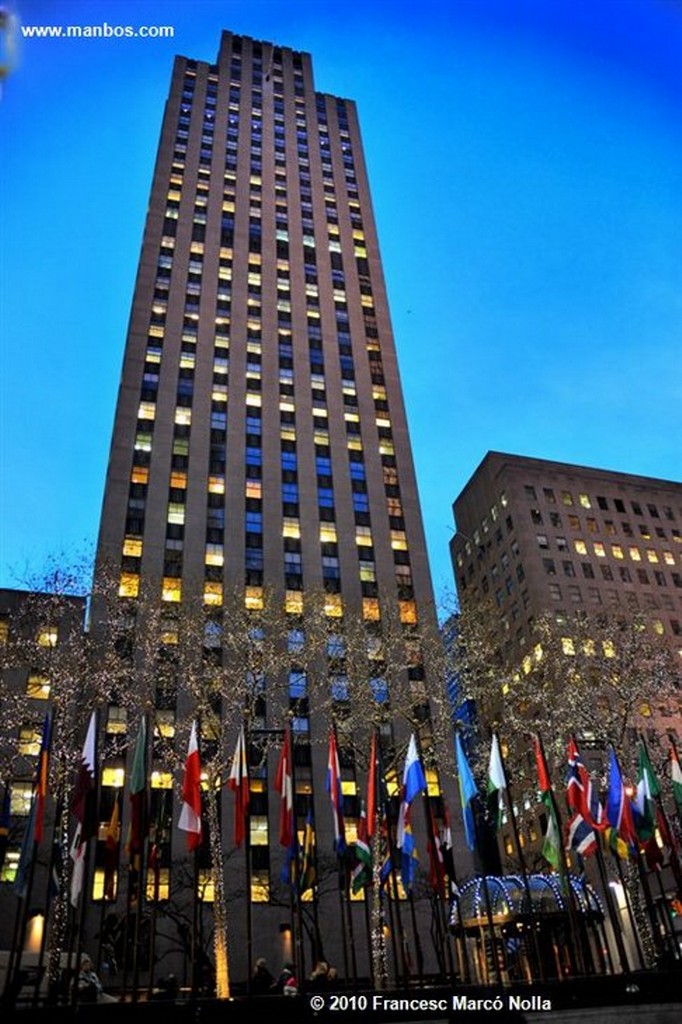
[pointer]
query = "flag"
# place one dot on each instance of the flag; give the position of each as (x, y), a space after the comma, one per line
(551, 843)
(408, 850)
(333, 786)
(308, 872)
(580, 798)
(361, 874)
(497, 782)
(621, 832)
(27, 853)
(284, 786)
(111, 852)
(414, 781)
(413, 784)
(190, 815)
(644, 804)
(676, 777)
(41, 780)
(372, 787)
(239, 784)
(56, 866)
(448, 856)
(84, 809)
(83, 801)
(138, 794)
(436, 865)
(467, 792)
(5, 823)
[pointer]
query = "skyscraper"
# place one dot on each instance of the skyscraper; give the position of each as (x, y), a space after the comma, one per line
(260, 446)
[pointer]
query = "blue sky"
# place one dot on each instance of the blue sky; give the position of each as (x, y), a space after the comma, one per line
(526, 168)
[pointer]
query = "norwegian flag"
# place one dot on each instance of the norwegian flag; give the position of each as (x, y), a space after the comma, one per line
(587, 813)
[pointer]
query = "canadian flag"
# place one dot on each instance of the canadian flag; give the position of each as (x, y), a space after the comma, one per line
(190, 815)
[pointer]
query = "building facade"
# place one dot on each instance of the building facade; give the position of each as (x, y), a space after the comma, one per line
(537, 536)
(260, 454)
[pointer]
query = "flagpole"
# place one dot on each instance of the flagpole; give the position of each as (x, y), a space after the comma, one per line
(533, 917)
(86, 884)
(142, 864)
(345, 910)
(247, 860)
(614, 916)
(477, 845)
(658, 801)
(48, 890)
(576, 952)
(392, 856)
(431, 831)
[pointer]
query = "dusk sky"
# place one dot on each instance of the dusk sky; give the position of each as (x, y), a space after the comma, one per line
(525, 160)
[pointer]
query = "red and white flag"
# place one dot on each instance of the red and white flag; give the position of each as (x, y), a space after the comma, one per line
(285, 788)
(238, 782)
(190, 815)
(83, 807)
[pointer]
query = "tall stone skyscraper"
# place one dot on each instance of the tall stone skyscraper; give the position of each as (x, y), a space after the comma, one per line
(260, 446)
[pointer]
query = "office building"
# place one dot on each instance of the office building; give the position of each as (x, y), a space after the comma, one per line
(260, 445)
(537, 536)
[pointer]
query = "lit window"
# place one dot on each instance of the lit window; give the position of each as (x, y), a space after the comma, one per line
(635, 554)
(176, 513)
(617, 551)
(668, 558)
(129, 584)
(183, 416)
(164, 723)
(113, 776)
(253, 598)
(132, 547)
(567, 497)
(206, 886)
(580, 547)
(585, 500)
(47, 636)
(158, 884)
(213, 593)
(651, 555)
(117, 720)
(398, 540)
(293, 602)
(139, 475)
(333, 606)
(146, 411)
(609, 649)
(408, 612)
(178, 480)
(567, 645)
(161, 780)
(291, 528)
(30, 738)
(599, 550)
(370, 609)
(658, 627)
(20, 798)
(328, 533)
(214, 555)
(37, 686)
(171, 589)
(216, 484)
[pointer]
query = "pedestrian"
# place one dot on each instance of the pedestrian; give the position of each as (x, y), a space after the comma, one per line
(262, 981)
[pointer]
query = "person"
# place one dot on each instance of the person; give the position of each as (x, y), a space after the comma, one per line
(332, 977)
(262, 981)
(318, 977)
(89, 986)
(286, 983)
